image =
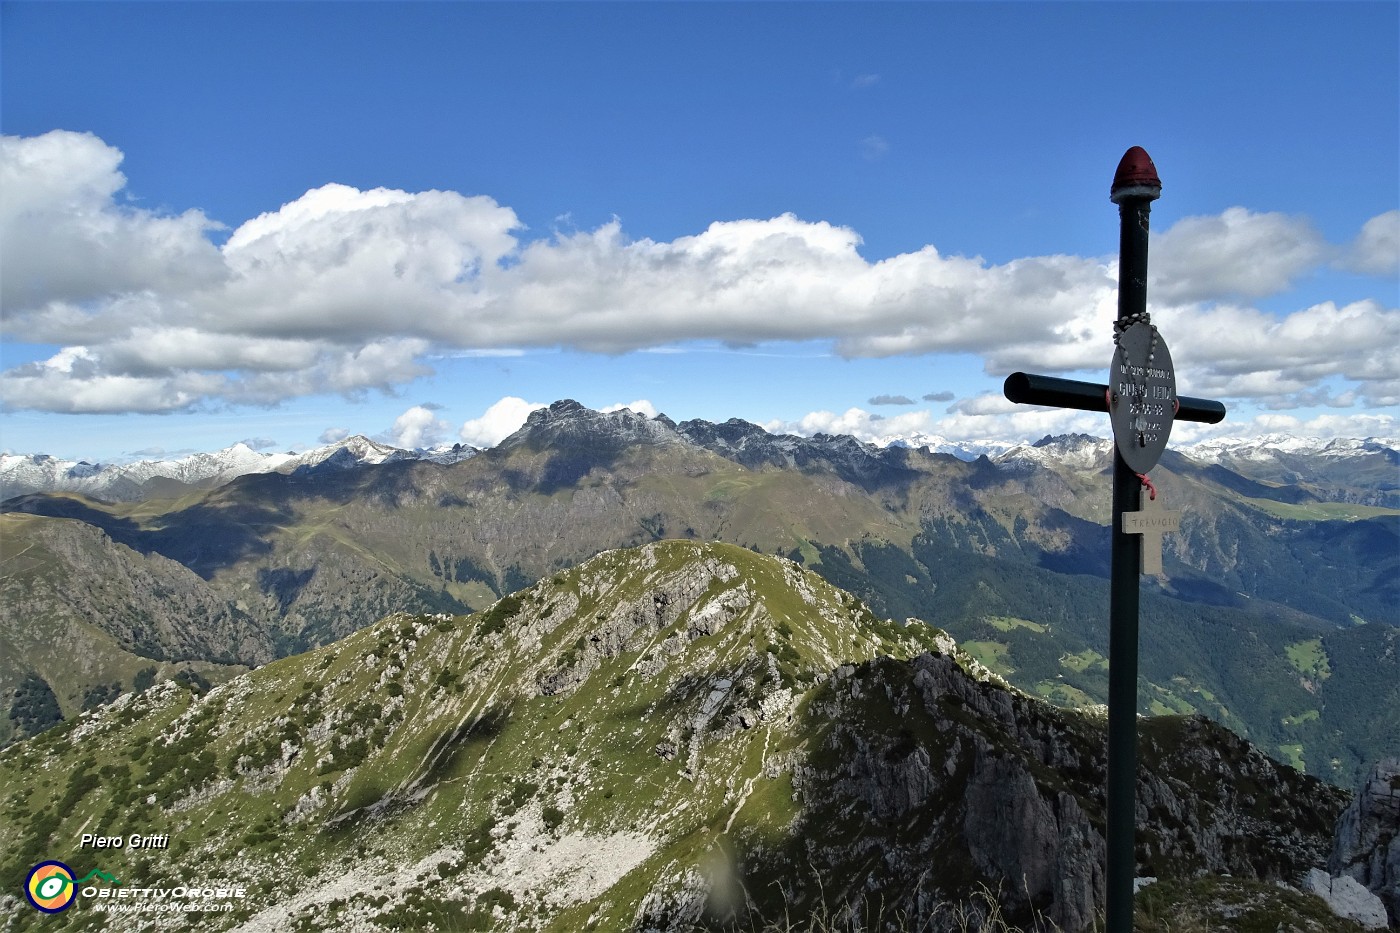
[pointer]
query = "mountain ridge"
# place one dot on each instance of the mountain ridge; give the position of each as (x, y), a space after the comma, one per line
(737, 439)
(677, 736)
(21, 474)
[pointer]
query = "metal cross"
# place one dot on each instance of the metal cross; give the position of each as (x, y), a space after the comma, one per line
(1135, 187)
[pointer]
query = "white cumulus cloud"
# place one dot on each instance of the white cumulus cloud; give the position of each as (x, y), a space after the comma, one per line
(976, 423)
(1243, 353)
(346, 291)
(498, 422)
(641, 406)
(65, 239)
(418, 427)
(1376, 249)
(1238, 253)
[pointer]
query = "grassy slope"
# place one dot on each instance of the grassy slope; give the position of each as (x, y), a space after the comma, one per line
(72, 654)
(423, 741)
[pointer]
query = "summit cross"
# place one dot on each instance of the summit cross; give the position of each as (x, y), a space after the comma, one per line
(1142, 403)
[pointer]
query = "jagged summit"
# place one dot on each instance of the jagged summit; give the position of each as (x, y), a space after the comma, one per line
(734, 435)
(353, 451)
(1065, 440)
(752, 446)
(567, 423)
(744, 442)
(584, 438)
(1072, 451)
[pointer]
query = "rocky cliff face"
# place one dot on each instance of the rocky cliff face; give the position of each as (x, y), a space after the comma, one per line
(1006, 790)
(1367, 845)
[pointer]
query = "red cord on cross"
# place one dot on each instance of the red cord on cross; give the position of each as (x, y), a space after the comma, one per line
(1151, 490)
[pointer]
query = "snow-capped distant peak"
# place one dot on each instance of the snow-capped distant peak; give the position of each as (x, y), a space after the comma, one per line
(43, 473)
(964, 450)
(220, 466)
(352, 451)
(447, 454)
(1269, 446)
(1076, 451)
(21, 474)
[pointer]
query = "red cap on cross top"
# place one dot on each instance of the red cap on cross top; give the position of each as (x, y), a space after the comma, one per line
(1136, 177)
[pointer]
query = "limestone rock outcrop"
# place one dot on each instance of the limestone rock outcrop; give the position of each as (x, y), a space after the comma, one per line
(1347, 898)
(1005, 790)
(1367, 842)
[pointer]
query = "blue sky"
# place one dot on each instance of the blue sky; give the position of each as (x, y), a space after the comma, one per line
(278, 223)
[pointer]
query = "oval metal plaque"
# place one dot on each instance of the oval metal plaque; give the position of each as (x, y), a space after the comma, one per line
(1142, 396)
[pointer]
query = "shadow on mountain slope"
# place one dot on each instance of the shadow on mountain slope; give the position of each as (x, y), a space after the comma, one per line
(205, 538)
(925, 784)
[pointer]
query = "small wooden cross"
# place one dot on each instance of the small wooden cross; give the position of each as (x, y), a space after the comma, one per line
(1152, 521)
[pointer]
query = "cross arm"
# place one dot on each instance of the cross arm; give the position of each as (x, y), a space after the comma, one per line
(1029, 389)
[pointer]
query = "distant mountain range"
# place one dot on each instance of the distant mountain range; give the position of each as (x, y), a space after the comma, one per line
(1277, 454)
(145, 479)
(1278, 614)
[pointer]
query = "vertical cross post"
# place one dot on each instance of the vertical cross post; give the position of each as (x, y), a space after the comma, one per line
(1135, 187)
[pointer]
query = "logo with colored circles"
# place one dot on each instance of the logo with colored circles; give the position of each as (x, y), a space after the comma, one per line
(50, 887)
